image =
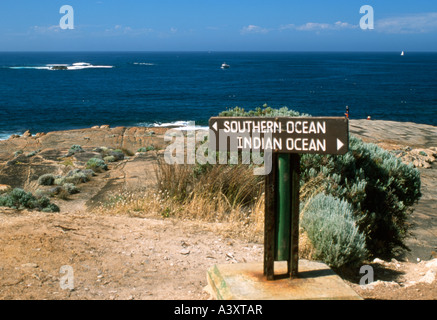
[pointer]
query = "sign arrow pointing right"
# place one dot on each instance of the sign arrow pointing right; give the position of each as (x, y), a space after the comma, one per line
(339, 144)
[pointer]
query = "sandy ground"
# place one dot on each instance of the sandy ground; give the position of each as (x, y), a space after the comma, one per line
(110, 257)
(130, 258)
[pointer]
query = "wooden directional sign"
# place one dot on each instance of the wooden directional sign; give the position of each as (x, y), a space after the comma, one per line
(328, 135)
(286, 137)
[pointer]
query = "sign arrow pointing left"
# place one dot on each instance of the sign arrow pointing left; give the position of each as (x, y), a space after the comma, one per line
(215, 126)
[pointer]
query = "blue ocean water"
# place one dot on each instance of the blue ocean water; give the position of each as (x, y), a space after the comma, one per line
(152, 88)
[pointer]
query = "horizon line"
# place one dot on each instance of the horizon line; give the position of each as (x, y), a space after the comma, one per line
(214, 51)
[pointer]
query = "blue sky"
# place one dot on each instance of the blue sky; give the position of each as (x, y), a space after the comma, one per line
(225, 25)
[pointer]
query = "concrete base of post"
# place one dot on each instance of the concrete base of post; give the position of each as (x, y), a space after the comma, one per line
(316, 281)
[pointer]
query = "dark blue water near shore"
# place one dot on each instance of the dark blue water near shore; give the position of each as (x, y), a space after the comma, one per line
(150, 88)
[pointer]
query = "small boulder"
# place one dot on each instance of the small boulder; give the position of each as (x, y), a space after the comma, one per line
(27, 134)
(4, 188)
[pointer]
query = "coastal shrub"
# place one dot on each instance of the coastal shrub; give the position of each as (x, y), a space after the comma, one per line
(264, 111)
(59, 180)
(146, 149)
(63, 194)
(89, 173)
(70, 188)
(99, 149)
(76, 178)
(117, 154)
(379, 186)
(17, 199)
(46, 180)
(330, 225)
(54, 191)
(109, 159)
(32, 153)
(43, 202)
(75, 148)
(51, 208)
(96, 164)
(20, 199)
(102, 149)
(18, 153)
(48, 193)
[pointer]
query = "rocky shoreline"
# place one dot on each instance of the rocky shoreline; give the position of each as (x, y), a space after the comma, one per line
(117, 137)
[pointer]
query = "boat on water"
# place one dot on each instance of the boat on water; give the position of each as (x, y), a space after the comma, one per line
(225, 66)
(402, 53)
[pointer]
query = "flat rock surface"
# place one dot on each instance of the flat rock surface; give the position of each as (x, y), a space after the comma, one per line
(405, 133)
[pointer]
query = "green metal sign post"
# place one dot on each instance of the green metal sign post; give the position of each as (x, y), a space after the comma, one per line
(283, 219)
(286, 138)
(281, 235)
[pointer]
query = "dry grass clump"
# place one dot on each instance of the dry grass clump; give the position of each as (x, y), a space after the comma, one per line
(228, 194)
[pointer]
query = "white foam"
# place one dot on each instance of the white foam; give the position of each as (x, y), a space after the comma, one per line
(144, 63)
(6, 136)
(80, 67)
(176, 125)
(192, 128)
(36, 68)
(74, 66)
(173, 124)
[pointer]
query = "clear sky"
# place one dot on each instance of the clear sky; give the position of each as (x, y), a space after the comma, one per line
(218, 25)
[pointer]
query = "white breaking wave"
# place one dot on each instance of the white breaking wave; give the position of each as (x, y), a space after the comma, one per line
(36, 68)
(6, 136)
(176, 125)
(74, 66)
(144, 63)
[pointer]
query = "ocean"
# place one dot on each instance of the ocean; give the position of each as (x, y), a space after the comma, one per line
(162, 88)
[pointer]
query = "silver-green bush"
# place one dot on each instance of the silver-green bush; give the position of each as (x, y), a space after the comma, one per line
(96, 164)
(330, 225)
(20, 199)
(46, 180)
